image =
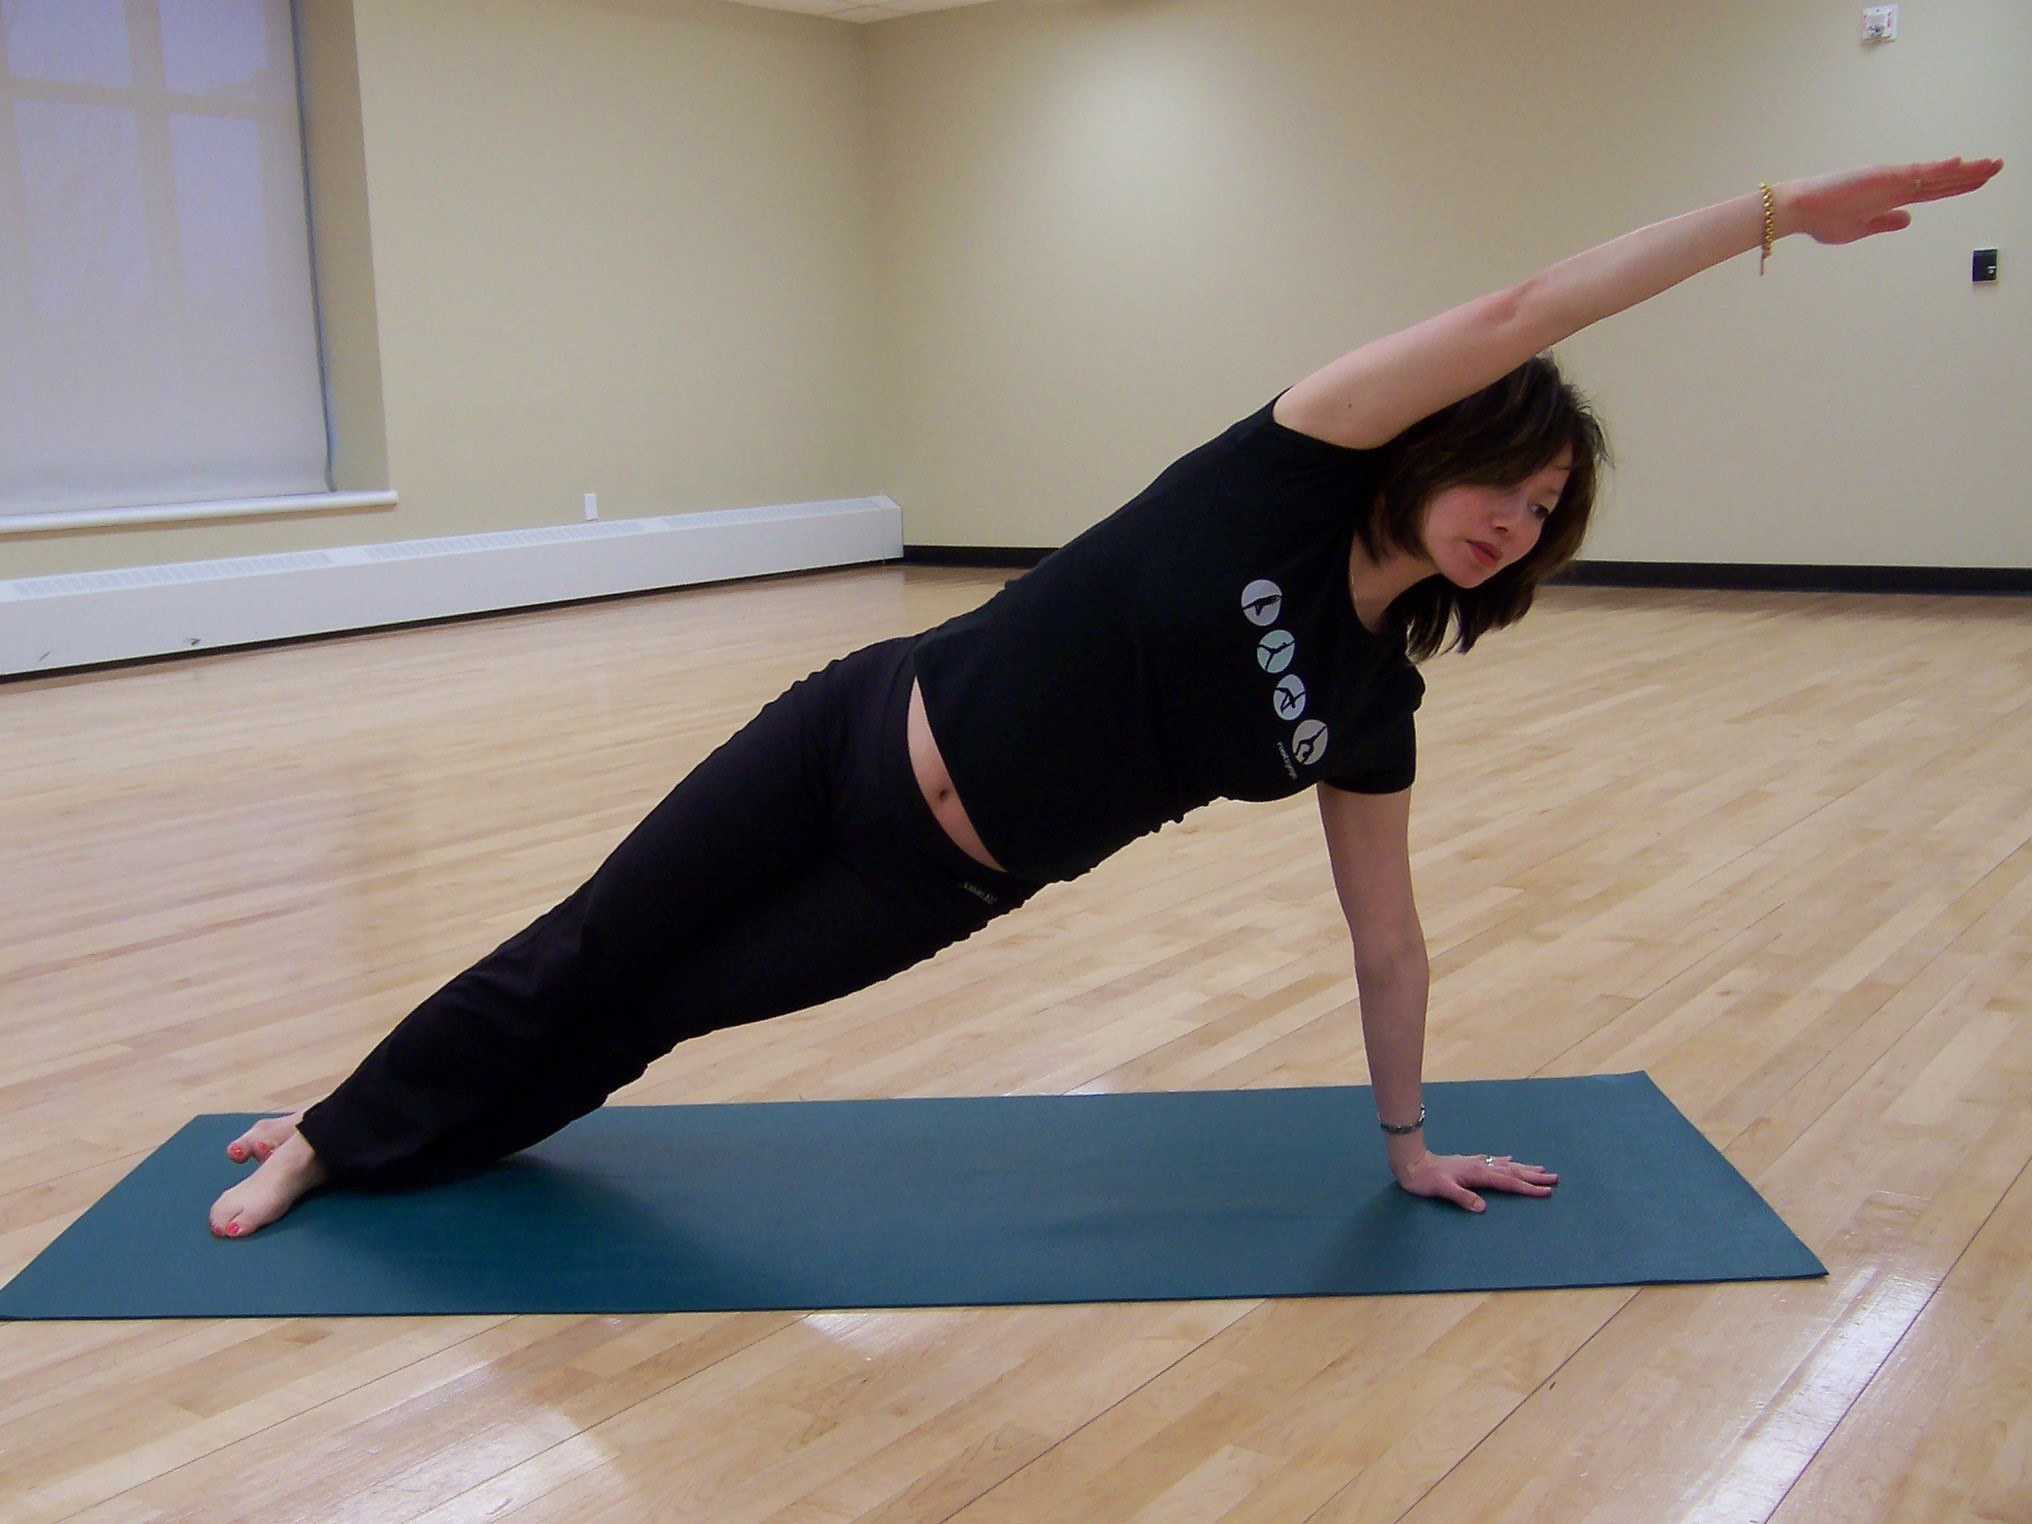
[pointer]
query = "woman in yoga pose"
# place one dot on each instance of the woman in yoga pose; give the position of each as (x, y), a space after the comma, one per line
(1245, 628)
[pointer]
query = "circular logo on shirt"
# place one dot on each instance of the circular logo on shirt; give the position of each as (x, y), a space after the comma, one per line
(1274, 651)
(1289, 697)
(1308, 742)
(1261, 601)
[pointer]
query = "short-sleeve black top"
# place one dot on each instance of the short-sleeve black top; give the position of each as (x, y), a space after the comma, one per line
(1198, 643)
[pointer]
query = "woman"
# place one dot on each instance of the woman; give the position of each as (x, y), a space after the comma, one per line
(1244, 628)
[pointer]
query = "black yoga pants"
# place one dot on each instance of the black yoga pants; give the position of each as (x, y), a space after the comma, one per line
(797, 863)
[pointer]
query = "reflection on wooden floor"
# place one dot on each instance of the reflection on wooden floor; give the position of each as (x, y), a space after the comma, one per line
(1771, 848)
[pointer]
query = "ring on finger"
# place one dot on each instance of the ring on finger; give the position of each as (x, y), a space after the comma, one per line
(1488, 1158)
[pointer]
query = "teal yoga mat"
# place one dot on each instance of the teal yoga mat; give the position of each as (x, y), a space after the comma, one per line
(918, 1203)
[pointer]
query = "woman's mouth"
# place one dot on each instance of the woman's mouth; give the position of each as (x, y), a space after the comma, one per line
(1483, 553)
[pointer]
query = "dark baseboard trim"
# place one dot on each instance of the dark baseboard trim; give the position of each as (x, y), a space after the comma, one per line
(1759, 577)
(1725, 576)
(973, 555)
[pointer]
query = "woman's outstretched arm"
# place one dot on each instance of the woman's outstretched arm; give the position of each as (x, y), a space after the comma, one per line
(1369, 396)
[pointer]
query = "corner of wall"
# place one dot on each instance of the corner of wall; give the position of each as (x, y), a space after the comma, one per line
(335, 168)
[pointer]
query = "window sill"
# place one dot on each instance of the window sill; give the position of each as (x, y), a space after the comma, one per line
(177, 513)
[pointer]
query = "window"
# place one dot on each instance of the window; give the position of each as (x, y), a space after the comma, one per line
(158, 338)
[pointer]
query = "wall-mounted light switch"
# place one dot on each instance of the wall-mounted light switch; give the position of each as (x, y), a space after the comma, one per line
(1985, 265)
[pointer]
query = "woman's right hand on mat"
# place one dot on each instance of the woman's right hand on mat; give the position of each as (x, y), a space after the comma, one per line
(1456, 1177)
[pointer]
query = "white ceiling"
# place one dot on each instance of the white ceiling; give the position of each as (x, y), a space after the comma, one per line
(859, 10)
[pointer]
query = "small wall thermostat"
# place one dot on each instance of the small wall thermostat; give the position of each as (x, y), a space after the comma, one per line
(1985, 265)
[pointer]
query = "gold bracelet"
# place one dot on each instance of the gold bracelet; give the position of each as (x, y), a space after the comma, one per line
(1770, 222)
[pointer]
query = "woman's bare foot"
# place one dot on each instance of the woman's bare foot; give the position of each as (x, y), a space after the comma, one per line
(263, 1138)
(289, 1171)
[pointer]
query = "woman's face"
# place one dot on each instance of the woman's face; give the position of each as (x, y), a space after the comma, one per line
(1473, 532)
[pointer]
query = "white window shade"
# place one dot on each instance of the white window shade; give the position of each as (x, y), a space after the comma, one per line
(158, 341)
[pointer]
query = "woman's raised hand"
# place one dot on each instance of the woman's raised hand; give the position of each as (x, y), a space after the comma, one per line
(1842, 208)
(1456, 1177)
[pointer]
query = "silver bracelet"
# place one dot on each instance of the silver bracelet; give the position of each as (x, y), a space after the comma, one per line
(1407, 1128)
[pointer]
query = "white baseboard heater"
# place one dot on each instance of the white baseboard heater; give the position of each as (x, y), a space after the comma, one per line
(81, 619)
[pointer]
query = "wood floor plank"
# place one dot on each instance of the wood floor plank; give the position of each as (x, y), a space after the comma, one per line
(1944, 1428)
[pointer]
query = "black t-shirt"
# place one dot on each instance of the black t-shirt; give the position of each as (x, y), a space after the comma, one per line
(1198, 643)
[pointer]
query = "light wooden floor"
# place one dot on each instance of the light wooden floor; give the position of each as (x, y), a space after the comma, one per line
(1772, 848)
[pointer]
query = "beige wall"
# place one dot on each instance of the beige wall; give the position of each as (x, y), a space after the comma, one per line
(620, 249)
(617, 248)
(1005, 262)
(1107, 229)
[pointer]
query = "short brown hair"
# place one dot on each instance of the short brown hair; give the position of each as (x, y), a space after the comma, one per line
(1495, 437)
